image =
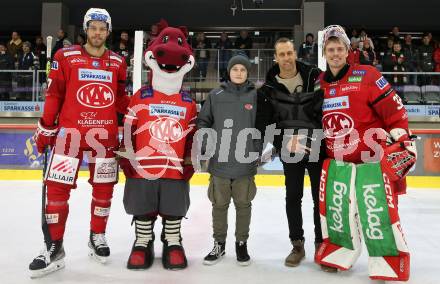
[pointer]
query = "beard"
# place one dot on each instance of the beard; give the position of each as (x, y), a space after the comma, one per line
(96, 42)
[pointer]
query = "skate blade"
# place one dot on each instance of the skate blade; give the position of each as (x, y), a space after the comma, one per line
(97, 258)
(54, 266)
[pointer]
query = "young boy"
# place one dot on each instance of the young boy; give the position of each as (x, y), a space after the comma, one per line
(228, 110)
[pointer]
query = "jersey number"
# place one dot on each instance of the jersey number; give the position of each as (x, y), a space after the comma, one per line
(398, 100)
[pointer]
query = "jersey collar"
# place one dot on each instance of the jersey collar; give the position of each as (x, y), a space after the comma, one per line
(329, 78)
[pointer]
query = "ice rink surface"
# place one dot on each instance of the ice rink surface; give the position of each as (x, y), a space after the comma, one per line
(21, 240)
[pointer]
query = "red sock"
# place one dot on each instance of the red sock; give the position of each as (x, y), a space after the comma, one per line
(100, 208)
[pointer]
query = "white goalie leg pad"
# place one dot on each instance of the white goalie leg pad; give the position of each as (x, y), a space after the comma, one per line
(377, 266)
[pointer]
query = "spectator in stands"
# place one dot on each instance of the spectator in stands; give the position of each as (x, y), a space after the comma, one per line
(367, 56)
(61, 36)
(354, 35)
(154, 32)
(224, 45)
(244, 42)
(410, 51)
(24, 79)
(354, 54)
(15, 45)
(80, 40)
(308, 51)
(125, 38)
(395, 32)
(426, 61)
(201, 46)
(430, 39)
(6, 63)
(384, 54)
(40, 53)
(123, 51)
(398, 64)
(364, 37)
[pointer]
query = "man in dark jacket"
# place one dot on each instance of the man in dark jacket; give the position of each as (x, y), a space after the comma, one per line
(61, 36)
(426, 59)
(289, 80)
(24, 79)
(6, 63)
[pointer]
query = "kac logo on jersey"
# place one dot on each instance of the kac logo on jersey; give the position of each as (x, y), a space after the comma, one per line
(335, 103)
(54, 65)
(95, 95)
(94, 75)
(381, 83)
(332, 92)
(166, 129)
(167, 110)
(95, 63)
(337, 124)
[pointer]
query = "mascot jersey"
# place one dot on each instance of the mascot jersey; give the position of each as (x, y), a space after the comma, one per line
(163, 127)
(86, 92)
(358, 99)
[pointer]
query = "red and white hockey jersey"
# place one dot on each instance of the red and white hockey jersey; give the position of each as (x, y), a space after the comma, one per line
(85, 92)
(162, 128)
(357, 100)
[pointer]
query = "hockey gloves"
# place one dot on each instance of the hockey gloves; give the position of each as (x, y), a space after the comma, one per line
(45, 136)
(400, 155)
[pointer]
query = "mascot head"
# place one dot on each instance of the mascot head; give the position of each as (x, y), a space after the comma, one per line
(170, 57)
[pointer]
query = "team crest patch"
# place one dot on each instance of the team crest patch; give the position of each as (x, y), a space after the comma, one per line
(248, 106)
(54, 65)
(381, 83)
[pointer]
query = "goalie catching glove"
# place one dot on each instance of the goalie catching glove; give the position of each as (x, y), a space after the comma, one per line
(400, 154)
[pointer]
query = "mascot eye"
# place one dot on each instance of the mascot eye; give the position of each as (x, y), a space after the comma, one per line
(165, 39)
(179, 40)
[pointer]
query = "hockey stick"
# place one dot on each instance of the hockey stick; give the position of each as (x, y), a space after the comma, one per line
(44, 226)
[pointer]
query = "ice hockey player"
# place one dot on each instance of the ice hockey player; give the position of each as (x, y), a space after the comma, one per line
(158, 131)
(86, 87)
(363, 174)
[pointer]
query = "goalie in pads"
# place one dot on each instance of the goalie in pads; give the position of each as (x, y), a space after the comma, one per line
(363, 175)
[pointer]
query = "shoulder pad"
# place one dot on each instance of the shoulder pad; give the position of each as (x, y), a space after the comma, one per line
(69, 48)
(146, 92)
(186, 97)
(115, 56)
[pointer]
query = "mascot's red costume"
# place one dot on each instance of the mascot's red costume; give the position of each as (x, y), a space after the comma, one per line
(158, 131)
